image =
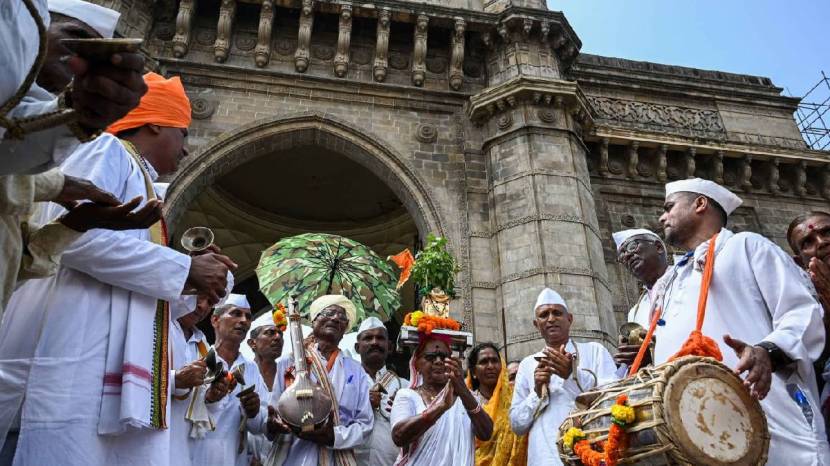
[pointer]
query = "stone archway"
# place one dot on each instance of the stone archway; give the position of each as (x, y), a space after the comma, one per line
(262, 137)
(213, 189)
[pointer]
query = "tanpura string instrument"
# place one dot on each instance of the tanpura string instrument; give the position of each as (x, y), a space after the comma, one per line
(304, 405)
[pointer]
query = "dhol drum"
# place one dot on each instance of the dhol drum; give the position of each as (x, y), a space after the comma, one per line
(691, 411)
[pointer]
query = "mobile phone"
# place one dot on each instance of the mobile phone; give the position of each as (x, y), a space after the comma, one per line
(101, 49)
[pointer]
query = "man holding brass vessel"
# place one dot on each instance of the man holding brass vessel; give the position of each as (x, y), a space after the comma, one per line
(98, 391)
(644, 255)
(341, 379)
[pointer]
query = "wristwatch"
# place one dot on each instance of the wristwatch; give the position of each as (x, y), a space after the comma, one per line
(778, 359)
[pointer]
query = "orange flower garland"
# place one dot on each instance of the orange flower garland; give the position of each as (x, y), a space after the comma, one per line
(617, 439)
(427, 323)
(280, 321)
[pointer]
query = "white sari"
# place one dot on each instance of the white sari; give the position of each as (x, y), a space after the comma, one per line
(450, 441)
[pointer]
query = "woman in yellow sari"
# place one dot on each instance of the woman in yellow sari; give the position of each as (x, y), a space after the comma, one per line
(487, 377)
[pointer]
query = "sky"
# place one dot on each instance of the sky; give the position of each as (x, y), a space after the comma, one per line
(787, 41)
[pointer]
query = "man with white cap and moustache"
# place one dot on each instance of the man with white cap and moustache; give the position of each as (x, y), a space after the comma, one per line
(341, 377)
(373, 346)
(760, 306)
(266, 342)
(549, 381)
(234, 411)
(644, 255)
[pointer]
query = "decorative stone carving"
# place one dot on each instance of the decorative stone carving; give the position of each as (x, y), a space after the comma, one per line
(487, 39)
(504, 121)
(262, 53)
(546, 115)
(603, 157)
(657, 117)
(825, 182)
(690, 162)
(344, 40)
(456, 76)
(745, 170)
(527, 26)
(304, 36)
(628, 221)
(203, 104)
(800, 182)
(165, 31)
(426, 133)
(774, 175)
(717, 167)
(322, 52)
(633, 159)
(504, 33)
(245, 42)
(436, 65)
(361, 56)
(662, 162)
(382, 46)
(206, 37)
(285, 46)
(184, 24)
(545, 31)
(398, 61)
(420, 52)
(227, 13)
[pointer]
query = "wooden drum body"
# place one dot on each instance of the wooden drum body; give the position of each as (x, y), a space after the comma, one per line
(692, 411)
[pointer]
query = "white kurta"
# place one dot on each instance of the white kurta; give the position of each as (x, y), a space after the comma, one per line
(351, 386)
(543, 416)
(42, 150)
(640, 311)
(450, 441)
(220, 447)
(65, 322)
(757, 294)
(184, 352)
(379, 450)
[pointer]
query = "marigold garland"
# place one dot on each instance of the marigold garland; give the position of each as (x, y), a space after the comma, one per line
(621, 416)
(427, 323)
(280, 321)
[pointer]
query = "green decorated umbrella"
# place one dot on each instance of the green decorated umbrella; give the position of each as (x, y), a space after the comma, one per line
(315, 264)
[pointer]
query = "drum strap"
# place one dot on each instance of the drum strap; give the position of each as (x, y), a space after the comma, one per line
(697, 344)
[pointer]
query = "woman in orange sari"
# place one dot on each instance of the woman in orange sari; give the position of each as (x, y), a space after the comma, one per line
(487, 377)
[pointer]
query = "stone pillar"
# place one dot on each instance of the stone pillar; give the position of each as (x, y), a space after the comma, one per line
(543, 221)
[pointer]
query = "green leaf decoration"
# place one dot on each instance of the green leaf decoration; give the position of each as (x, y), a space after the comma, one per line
(315, 264)
(435, 267)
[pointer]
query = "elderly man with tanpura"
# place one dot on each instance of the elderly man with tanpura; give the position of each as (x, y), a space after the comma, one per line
(758, 302)
(436, 421)
(549, 381)
(343, 380)
(487, 377)
(373, 346)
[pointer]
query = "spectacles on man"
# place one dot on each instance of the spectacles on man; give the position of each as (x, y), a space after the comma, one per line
(631, 247)
(434, 356)
(334, 314)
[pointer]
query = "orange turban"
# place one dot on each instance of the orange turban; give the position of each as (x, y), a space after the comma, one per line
(164, 104)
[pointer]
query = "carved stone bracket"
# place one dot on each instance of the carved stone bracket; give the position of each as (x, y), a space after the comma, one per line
(717, 168)
(603, 157)
(344, 39)
(262, 53)
(227, 13)
(774, 175)
(662, 163)
(456, 76)
(800, 184)
(825, 182)
(633, 159)
(690, 162)
(301, 56)
(420, 52)
(382, 48)
(745, 174)
(184, 25)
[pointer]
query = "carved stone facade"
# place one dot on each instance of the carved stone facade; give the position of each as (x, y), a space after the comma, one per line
(479, 121)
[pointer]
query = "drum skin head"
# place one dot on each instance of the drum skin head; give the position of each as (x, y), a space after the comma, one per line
(712, 417)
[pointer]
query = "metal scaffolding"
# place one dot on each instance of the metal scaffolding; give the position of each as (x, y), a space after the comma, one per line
(813, 115)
